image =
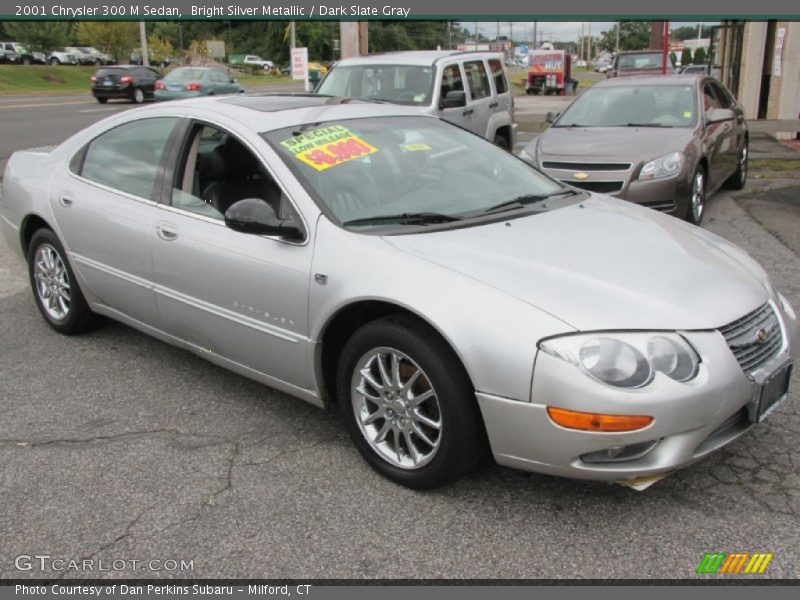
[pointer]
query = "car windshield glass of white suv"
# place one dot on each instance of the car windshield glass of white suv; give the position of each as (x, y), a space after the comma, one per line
(633, 106)
(407, 171)
(399, 84)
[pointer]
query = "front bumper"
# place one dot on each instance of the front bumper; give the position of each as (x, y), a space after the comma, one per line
(691, 419)
(175, 95)
(670, 194)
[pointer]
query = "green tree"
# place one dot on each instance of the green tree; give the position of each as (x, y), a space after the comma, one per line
(633, 35)
(686, 56)
(689, 32)
(117, 38)
(700, 56)
(159, 49)
(39, 36)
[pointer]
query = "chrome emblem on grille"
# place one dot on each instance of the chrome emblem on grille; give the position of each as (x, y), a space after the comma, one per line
(761, 335)
(581, 176)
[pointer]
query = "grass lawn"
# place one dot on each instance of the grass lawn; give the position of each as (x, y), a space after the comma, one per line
(40, 79)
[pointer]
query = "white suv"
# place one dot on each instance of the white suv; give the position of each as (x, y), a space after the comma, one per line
(470, 89)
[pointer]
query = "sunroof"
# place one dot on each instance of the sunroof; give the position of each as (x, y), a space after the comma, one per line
(277, 102)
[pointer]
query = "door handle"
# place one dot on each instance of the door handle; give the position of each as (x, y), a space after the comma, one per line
(468, 111)
(66, 199)
(493, 105)
(167, 231)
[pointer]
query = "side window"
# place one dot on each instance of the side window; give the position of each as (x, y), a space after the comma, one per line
(451, 80)
(499, 76)
(725, 99)
(709, 99)
(126, 158)
(218, 170)
(477, 79)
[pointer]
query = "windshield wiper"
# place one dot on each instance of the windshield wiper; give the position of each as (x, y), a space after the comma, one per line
(521, 201)
(417, 218)
(647, 125)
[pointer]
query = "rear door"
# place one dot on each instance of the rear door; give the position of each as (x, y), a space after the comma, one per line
(733, 131)
(480, 100)
(146, 78)
(501, 89)
(451, 79)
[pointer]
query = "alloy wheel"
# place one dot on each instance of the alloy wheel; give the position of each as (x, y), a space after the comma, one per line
(138, 96)
(698, 196)
(52, 282)
(396, 408)
(743, 166)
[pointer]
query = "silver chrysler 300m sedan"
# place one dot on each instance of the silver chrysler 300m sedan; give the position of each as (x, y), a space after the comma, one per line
(443, 294)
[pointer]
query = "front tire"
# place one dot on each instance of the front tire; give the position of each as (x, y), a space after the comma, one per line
(102, 100)
(55, 62)
(408, 404)
(55, 289)
(697, 197)
(501, 141)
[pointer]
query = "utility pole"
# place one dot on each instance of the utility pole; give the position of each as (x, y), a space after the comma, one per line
(449, 37)
(143, 40)
(589, 43)
(476, 35)
(292, 42)
(535, 28)
(616, 47)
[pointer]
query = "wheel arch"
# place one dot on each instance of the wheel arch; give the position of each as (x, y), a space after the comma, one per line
(30, 225)
(347, 320)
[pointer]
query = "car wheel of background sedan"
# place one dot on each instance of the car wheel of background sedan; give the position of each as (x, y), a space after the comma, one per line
(26, 62)
(138, 95)
(408, 404)
(697, 199)
(55, 61)
(102, 100)
(55, 289)
(739, 177)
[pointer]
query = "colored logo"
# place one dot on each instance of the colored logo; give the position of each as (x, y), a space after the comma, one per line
(733, 563)
(581, 176)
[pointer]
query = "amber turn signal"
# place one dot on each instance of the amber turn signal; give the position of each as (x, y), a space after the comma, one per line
(572, 419)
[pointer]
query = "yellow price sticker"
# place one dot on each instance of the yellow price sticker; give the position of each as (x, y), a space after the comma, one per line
(416, 147)
(327, 147)
(687, 114)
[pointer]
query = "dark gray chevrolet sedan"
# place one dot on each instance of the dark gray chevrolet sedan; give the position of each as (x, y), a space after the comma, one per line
(666, 142)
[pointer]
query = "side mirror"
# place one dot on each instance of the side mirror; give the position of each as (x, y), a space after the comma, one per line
(454, 99)
(552, 116)
(718, 115)
(254, 215)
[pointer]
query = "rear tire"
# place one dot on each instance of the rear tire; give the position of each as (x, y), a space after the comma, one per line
(55, 289)
(414, 417)
(501, 141)
(138, 96)
(102, 100)
(55, 62)
(738, 180)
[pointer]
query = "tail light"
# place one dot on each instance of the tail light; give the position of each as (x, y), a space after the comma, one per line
(159, 85)
(94, 79)
(192, 87)
(126, 79)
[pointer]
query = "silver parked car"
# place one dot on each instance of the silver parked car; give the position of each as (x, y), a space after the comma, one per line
(469, 89)
(439, 291)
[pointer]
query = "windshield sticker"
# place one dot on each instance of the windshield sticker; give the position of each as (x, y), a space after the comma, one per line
(327, 147)
(687, 114)
(416, 147)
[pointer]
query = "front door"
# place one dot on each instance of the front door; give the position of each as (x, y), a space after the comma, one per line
(241, 297)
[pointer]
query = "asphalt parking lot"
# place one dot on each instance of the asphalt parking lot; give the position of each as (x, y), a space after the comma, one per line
(115, 446)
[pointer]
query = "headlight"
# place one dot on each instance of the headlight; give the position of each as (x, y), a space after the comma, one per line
(787, 308)
(527, 157)
(666, 166)
(627, 360)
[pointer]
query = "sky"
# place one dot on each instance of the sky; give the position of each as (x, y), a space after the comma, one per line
(559, 31)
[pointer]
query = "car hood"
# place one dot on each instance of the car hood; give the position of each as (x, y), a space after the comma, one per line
(633, 143)
(603, 264)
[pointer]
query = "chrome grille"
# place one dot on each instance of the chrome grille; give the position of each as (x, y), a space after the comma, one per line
(755, 338)
(585, 166)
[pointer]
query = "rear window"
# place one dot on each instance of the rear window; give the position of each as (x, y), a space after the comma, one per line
(111, 73)
(185, 74)
(477, 79)
(640, 61)
(499, 76)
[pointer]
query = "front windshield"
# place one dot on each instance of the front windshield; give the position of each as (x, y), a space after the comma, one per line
(399, 84)
(185, 74)
(634, 62)
(633, 105)
(394, 168)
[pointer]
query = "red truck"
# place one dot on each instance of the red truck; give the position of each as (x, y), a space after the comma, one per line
(549, 72)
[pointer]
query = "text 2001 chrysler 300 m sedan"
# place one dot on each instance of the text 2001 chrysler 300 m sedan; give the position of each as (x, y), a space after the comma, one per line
(441, 292)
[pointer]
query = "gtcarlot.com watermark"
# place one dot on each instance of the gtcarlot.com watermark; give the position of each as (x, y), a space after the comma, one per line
(45, 562)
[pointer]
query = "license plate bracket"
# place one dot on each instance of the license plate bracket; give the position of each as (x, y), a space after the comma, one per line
(773, 391)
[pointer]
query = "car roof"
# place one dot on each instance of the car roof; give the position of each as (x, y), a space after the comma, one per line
(650, 51)
(267, 112)
(642, 80)
(411, 57)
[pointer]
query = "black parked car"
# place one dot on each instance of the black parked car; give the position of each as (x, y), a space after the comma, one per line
(130, 82)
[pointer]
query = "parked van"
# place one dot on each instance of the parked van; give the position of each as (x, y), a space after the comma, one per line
(470, 89)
